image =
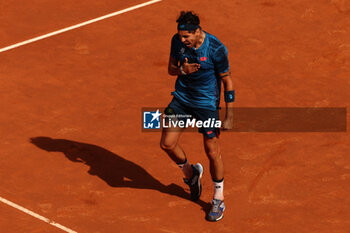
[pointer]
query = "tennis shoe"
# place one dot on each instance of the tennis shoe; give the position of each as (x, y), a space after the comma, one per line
(216, 211)
(195, 182)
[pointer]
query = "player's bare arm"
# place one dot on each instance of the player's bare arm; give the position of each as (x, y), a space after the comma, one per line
(228, 86)
(186, 68)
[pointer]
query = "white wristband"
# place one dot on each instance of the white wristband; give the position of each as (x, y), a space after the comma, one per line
(182, 71)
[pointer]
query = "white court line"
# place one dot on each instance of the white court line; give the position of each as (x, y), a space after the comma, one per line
(14, 205)
(78, 25)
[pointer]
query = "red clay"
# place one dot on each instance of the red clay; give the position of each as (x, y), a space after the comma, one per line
(73, 151)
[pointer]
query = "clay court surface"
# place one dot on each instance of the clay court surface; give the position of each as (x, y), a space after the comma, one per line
(72, 149)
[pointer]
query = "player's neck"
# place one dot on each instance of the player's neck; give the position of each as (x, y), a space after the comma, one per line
(200, 41)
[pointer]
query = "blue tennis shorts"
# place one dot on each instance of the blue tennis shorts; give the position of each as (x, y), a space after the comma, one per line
(184, 112)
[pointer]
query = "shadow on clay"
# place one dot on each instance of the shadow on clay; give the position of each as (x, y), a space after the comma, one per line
(110, 167)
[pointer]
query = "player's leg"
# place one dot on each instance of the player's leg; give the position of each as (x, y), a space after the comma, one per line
(212, 149)
(192, 173)
(170, 144)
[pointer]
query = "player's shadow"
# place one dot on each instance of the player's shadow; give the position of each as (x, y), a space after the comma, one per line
(110, 167)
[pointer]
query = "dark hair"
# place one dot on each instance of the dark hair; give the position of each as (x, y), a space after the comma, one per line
(188, 17)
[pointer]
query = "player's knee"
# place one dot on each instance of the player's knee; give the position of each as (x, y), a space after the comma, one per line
(212, 149)
(167, 145)
(214, 154)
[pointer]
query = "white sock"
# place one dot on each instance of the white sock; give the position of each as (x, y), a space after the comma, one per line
(186, 169)
(219, 189)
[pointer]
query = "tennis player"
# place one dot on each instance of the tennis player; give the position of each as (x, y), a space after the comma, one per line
(200, 62)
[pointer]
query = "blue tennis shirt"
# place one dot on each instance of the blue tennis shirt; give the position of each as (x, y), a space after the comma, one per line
(200, 89)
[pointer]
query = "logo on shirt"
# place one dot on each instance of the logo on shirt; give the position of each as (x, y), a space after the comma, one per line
(203, 58)
(182, 51)
(151, 120)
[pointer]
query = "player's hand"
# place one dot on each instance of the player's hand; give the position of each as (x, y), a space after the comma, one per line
(190, 68)
(227, 123)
